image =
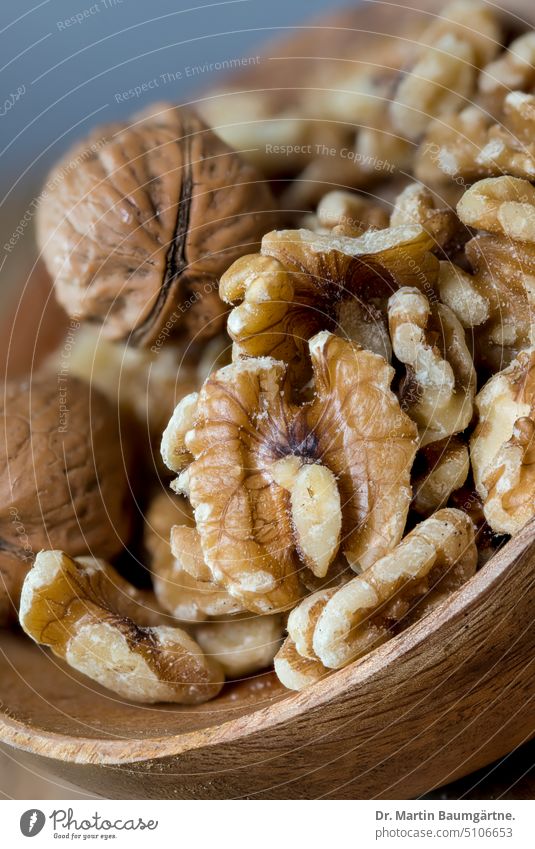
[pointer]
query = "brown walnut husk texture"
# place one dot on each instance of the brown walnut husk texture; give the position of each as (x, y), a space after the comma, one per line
(140, 219)
(63, 479)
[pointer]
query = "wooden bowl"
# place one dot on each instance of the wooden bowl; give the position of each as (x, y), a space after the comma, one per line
(446, 697)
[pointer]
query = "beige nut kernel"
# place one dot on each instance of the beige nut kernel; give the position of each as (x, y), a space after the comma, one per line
(242, 645)
(440, 469)
(501, 205)
(463, 294)
(442, 80)
(417, 205)
(449, 151)
(502, 447)
(305, 282)
(245, 424)
(513, 70)
(504, 275)
(297, 672)
(68, 606)
(315, 509)
(182, 581)
(441, 381)
(350, 213)
(469, 20)
(437, 557)
(510, 148)
(137, 235)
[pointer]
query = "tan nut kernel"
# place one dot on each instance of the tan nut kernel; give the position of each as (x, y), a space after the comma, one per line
(510, 148)
(469, 20)
(502, 447)
(441, 381)
(242, 645)
(304, 282)
(253, 539)
(450, 148)
(440, 82)
(182, 581)
(351, 213)
(416, 205)
(463, 294)
(437, 557)
(502, 205)
(297, 672)
(68, 606)
(441, 468)
(513, 70)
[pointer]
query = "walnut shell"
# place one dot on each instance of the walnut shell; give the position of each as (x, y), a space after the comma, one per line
(63, 480)
(140, 219)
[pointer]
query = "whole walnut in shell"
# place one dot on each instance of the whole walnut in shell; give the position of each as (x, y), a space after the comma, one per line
(63, 480)
(140, 219)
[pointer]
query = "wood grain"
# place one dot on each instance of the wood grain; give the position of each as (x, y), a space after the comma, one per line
(445, 698)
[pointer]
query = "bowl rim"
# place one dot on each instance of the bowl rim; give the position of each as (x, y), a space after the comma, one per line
(334, 686)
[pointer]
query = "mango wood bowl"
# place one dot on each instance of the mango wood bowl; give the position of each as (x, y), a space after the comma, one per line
(446, 697)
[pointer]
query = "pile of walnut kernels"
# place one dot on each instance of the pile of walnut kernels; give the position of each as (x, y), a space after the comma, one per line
(343, 374)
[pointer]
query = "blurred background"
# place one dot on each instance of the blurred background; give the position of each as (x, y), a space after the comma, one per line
(68, 65)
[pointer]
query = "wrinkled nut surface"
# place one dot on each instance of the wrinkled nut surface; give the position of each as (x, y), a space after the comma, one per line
(440, 469)
(501, 205)
(339, 626)
(440, 82)
(351, 214)
(59, 485)
(510, 148)
(466, 36)
(416, 205)
(242, 645)
(295, 671)
(181, 579)
(450, 148)
(253, 455)
(502, 447)
(305, 282)
(151, 215)
(504, 275)
(441, 382)
(68, 605)
(513, 70)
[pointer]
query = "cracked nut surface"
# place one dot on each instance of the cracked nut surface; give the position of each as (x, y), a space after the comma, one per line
(137, 234)
(59, 485)
(502, 447)
(72, 607)
(181, 579)
(260, 469)
(305, 282)
(440, 385)
(340, 625)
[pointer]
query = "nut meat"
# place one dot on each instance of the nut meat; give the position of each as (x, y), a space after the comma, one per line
(74, 608)
(277, 487)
